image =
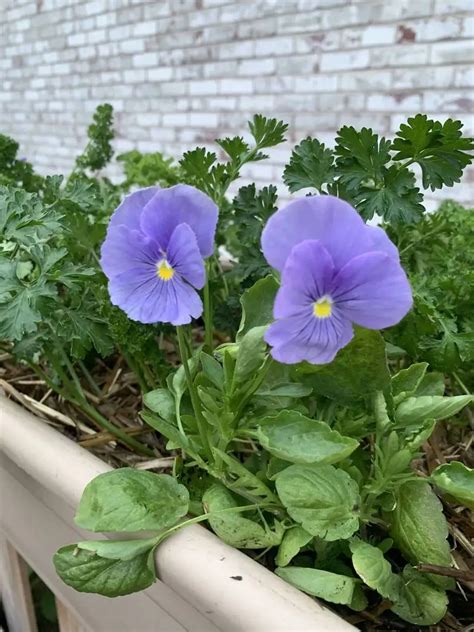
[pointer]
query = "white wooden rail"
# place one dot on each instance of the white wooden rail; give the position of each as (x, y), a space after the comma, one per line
(42, 475)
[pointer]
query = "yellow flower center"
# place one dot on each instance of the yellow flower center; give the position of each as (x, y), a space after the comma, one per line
(164, 271)
(322, 308)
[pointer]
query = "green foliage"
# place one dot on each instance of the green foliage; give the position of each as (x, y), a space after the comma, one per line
(438, 148)
(438, 255)
(131, 500)
(321, 498)
(329, 586)
(367, 171)
(418, 525)
(144, 170)
(456, 481)
(312, 464)
(358, 369)
(98, 151)
(233, 528)
(88, 572)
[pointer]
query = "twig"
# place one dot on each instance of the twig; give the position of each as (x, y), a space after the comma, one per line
(463, 575)
(164, 463)
(98, 438)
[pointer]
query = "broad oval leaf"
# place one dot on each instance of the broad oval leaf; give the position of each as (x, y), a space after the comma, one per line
(292, 543)
(87, 572)
(295, 438)
(419, 527)
(118, 549)
(420, 602)
(456, 480)
(372, 567)
(250, 355)
(257, 305)
(131, 500)
(232, 527)
(328, 586)
(323, 499)
(417, 409)
(161, 401)
(406, 381)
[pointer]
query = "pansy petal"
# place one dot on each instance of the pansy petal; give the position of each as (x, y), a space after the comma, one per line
(129, 211)
(373, 291)
(323, 217)
(381, 242)
(148, 299)
(125, 249)
(181, 204)
(131, 289)
(184, 257)
(305, 337)
(307, 276)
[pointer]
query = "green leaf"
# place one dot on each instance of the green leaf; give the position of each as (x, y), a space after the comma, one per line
(323, 499)
(197, 164)
(131, 500)
(416, 409)
(98, 151)
(234, 147)
(420, 602)
(292, 543)
(267, 132)
(457, 481)
(87, 572)
(250, 355)
(358, 369)
(311, 165)
(431, 384)
(361, 156)
(418, 526)
(407, 381)
(118, 549)
(257, 305)
(161, 401)
(374, 570)
(290, 389)
(242, 481)
(328, 586)
(212, 369)
(438, 148)
(396, 198)
(232, 527)
(295, 438)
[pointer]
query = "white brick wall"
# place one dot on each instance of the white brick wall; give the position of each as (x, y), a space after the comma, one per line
(181, 72)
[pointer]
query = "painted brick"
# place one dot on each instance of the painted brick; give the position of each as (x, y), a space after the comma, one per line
(181, 72)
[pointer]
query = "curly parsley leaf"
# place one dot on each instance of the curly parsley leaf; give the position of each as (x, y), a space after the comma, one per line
(98, 151)
(250, 211)
(311, 165)
(267, 132)
(234, 147)
(396, 198)
(438, 148)
(361, 157)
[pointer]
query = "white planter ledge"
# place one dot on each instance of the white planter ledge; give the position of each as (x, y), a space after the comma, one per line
(43, 475)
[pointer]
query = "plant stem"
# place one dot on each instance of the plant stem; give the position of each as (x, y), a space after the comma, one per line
(461, 383)
(208, 311)
(201, 422)
(90, 379)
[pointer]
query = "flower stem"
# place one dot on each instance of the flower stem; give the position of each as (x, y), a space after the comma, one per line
(201, 422)
(208, 311)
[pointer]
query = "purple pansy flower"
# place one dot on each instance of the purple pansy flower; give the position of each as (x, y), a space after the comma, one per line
(335, 271)
(153, 253)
